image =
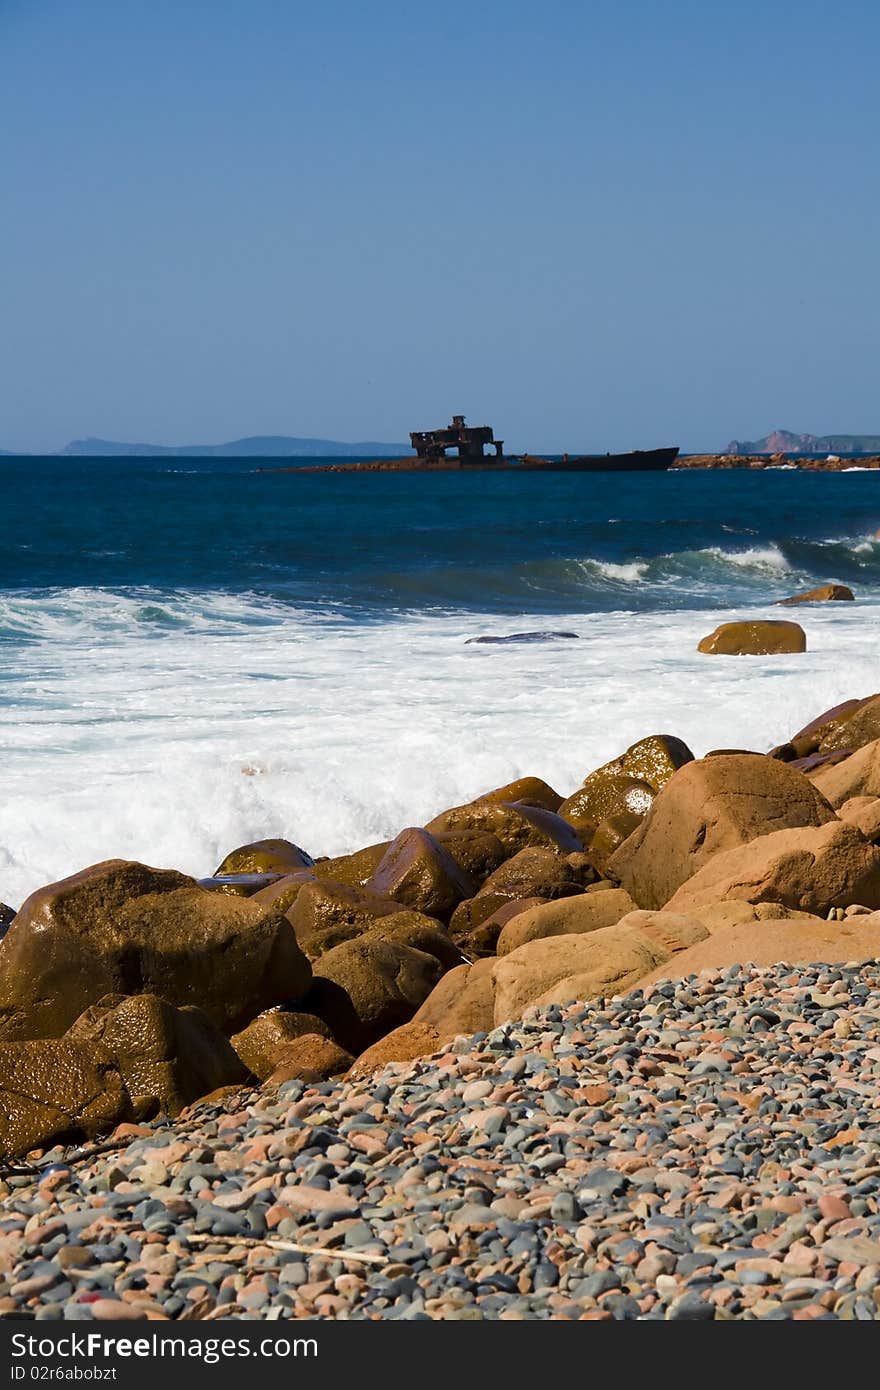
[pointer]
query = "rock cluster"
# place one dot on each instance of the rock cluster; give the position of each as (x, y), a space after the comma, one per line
(128, 992)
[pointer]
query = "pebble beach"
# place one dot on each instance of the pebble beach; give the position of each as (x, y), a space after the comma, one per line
(704, 1149)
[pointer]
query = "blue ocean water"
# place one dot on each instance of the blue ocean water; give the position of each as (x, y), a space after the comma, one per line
(197, 654)
(365, 545)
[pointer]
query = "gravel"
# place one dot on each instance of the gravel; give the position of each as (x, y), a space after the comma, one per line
(707, 1149)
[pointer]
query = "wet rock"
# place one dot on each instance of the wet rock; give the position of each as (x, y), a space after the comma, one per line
(311, 1058)
(825, 593)
(523, 637)
(57, 1090)
(164, 1054)
(363, 989)
(767, 638)
(418, 872)
(124, 928)
(265, 856)
(260, 1044)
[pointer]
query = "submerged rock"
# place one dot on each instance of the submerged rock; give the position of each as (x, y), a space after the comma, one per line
(524, 637)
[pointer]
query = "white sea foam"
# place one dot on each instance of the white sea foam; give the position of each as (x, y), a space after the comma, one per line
(627, 574)
(171, 731)
(762, 557)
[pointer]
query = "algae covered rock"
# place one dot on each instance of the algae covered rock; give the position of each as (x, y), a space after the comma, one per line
(261, 1043)
(265, 857)
(419, 872)
(168, 1055)
(768, 637)
(363, 989)
(57, 1090)
(124, 928)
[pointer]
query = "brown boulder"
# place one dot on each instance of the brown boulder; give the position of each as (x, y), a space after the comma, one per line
(355, 869)
(517, 825)
(324, 913)
(610, 834)
(530, 790)
(124, 928)
(169, 1055)
(364, 988)
(812, 868)
(858, 774)
(265, 856)
(57, 1090)
(311, 1058)
(282, 894)
(826, 593)
(772, 941)
(708, 807)
(862, 728)
(540, 873)
(419, 932)
(604, 795)
(260, 1044)
(462, 1002)
(477, 852)
(757, 638)
(808, 739)
(476, 934)
(587, 912)
(864, 813)
(418, 872)
(610, 960)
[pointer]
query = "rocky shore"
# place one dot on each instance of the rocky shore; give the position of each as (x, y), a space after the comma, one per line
(448, 1075)
(832, 464)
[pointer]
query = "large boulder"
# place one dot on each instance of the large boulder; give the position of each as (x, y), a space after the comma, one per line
(773, 941)
(610, 960)
(604, 795)
(629, 782)
(533, 791)
(463, 1001)
(708, 807)
(364, 988)
(861, 728)
(324, 913)
(809, 739)
(354, 869)
(540, 873)
(167, 1055)
(825, 593)
(478, 852)
(418, 872)
(282, 893)
(516, 824)
(124, 928)
(265, 1038)
(587, 912)
(610, 834)
(55, 1090)
(857, 775)
(756, 638)
(813, 868)
(864, 813)
(265, 856)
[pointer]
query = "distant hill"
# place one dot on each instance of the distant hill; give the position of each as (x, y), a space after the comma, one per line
(254, 446)
(785, 442)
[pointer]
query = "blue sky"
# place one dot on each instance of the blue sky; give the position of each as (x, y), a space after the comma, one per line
(593, 224)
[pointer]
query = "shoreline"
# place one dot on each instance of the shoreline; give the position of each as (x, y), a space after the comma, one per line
(376, 1040)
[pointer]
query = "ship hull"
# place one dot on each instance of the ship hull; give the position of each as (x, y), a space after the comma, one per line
(635, 461)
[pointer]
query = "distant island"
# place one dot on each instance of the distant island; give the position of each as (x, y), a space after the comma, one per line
(254, 446)
(785, 442)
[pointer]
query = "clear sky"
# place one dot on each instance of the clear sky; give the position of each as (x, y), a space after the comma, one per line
(590, 223)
